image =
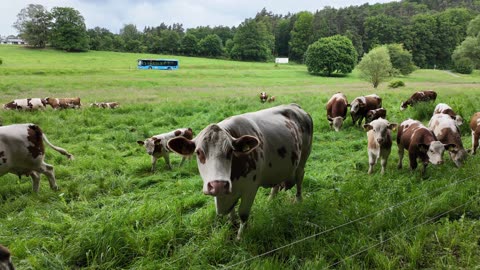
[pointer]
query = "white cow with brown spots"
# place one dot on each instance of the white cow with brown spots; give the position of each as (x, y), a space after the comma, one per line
(263, 97)
(421, 96)
(5, 259)
(475, 128)
(22, 153)
(379, 142)
(64, 103)
(360, 106)
(445, 109)
(267, 148)
(446, 131)
(105, 105)
(156, 146)
(28, 104)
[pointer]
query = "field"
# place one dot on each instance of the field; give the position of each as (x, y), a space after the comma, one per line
(111, 212)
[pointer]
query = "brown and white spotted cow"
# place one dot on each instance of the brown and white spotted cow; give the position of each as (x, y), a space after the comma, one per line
(421, 96)
(156, 146)
(420, 143)
(475, 128)
(379, 142)
(337, 107)
(361, 105)
(105, 105)
(271, 99)
(5, 259)
(64, 103)
(22, 152)
(263, 97)
(446, 131)
(267, 148)
(445, 109)
(29, 104)
(376, 114)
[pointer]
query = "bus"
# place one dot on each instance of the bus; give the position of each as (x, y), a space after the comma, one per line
(163, 64)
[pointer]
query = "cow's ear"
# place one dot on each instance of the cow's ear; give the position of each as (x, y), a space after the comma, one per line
(423, 147)
(181, 146)
(393, 126)
(244, 145)
(140, 142)
(450, 146)
(367, 127)
(158, 141)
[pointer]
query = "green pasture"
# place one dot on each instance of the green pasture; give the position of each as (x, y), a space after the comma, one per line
(111, 212)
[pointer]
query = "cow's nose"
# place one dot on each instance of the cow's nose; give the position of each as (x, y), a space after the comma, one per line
(218, 187)
(380, 140)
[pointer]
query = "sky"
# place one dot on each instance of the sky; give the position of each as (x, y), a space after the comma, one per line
(114, 14)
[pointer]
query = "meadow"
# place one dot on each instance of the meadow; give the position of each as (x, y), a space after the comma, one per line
(111, 212)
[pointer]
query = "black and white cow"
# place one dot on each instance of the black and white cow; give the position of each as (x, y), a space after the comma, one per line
(267, 148)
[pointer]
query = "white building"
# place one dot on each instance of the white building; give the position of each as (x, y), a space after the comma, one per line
(12, 40)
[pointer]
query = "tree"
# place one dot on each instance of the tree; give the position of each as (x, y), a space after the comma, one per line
(401, 59)
(375, 66)
(211, 46)
(131, 37)
(33, 24)
(301, 36)
(282, 37)
(423, 39)
(189, 45)
(252, 42)
(68, 30)
(331, 54)
(101, 39)
(381, 29)
(466, 56)
(170, 41)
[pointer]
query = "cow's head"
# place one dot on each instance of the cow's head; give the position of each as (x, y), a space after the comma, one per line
(263, 97)
(357, 103)
(403, 106)
(380, 128)
(336, 122)
(458, 155)
(434, 151)
(214, 148)
(151, 144)
(458, 120)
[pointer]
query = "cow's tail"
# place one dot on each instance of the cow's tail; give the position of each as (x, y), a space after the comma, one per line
(56, 148)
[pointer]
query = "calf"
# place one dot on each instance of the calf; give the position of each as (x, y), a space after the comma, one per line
(375, 114)
(379, 142)
(475, 127)
(105, 105)
(337, 107)
(156, 146)
(5, 259)
(271, 99)
(446, 131)
(361, 105)
(421, 96)
(64, 103)
(420, 143)
(242, 153)
(22, 152)
(29, 104)
(263, 97)
(445, 109)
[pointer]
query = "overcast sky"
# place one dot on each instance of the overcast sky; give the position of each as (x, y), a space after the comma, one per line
(114, 14)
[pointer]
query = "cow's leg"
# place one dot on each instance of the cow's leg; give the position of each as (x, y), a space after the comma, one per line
(47, 169)
(274, 192)
(244, 210)
(35, 181)
(384, 159)
(424, 169)
(183, 161)
(400, 156)
(372, 160)
(167, 160)
(154, 163)
(299, 180)
(475, 137)
(413, 161)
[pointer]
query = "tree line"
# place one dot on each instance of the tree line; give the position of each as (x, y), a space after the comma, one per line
(430, 29)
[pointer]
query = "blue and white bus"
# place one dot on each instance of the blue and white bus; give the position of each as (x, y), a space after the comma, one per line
(164, 64)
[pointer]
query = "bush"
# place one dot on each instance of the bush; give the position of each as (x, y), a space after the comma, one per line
(1, 61)
(396, 84)
(463, 65)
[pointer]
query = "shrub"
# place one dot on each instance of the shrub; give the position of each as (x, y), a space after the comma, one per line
(463, 65)
(396, 84)
(1, 61)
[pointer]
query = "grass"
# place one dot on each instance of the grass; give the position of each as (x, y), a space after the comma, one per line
(113, 213)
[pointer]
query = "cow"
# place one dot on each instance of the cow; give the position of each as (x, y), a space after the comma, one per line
(361, 105)
(447, 132)
(337, 107)
(22, 152)
(420, 143)
(64, 103)
(445, 109)
(379, 142)
(156, 146)
(105, 105)
(267, 148)
(263, 97)
(421, 96)
(29, 104)
(271, 99)
(475, 128)
(5, 259)
(375, 114)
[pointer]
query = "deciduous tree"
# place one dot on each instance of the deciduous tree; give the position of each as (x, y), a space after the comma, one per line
(375, 66)
(301, 36)
(252, 42)
(68, 30)
(33, 24)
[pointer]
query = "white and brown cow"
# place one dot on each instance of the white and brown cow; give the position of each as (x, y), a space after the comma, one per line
(475, 128)
(445, 109)
(271, 99)
(421, 96)
(337, 107)
(105, 105)
(263, 97)
(156, 146)
(420, 143)
(5, 259)
(361, 105)
(64, 103)
(29, 104)
(379, 142)
(375, 114)
(267, 148)
(22, 152)
(446, 131)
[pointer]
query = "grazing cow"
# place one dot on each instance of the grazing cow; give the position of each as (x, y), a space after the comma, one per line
(271, 99)
(267, 148)
(375, 114)
(29, 104)
(445, 109)
(22, 152)
(475, 127)
(361, 105)
(420, 143)
(337, 107)
(105, 105)
(379, 142)
(5, 259)
(263, 97)
(446, 131)
(64, 103)
(421, 96)
(156, 146)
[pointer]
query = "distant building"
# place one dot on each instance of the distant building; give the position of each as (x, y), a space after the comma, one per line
(13, 40)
